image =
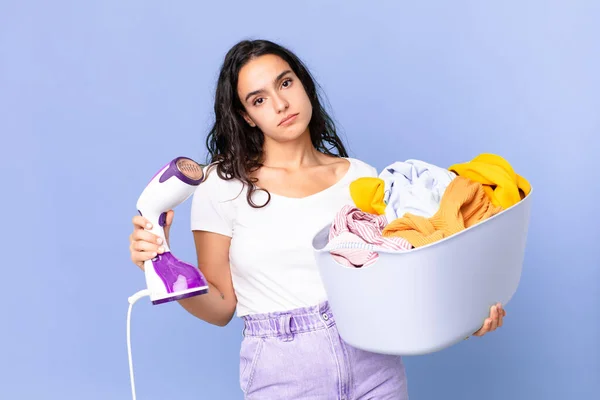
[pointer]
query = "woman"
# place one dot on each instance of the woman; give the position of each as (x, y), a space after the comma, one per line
(272, 183)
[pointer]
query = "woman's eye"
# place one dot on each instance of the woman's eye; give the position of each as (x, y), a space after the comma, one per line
(258, 101)
(287, 83)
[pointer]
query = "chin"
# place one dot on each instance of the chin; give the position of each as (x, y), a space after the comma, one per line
(287, 138)
(298, 133)
(292, 132)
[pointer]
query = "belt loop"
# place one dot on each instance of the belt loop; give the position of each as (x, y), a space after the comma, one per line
(286, 324)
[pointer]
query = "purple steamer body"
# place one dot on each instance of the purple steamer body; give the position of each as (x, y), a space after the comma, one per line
(168, 267)
(178, 276)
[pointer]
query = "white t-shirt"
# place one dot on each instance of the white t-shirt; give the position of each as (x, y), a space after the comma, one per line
(271, 255)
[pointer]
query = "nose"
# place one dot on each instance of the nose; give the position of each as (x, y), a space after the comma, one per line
(280, 103)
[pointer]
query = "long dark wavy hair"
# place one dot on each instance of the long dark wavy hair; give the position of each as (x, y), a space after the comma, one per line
(237, 148)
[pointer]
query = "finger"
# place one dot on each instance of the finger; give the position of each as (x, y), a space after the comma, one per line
(500, 312)
(145, 236)
(140, 257)
(484, 329)
(494, 314)
(168, 223)
(501, 315)
(169, 218)
(141, 245)
(141, 222)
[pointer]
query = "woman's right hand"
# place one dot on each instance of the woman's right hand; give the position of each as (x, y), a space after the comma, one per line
(145, 245)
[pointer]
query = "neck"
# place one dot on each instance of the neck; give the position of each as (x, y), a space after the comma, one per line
(290, 155)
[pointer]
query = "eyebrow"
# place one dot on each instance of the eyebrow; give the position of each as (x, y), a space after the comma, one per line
(281, 75)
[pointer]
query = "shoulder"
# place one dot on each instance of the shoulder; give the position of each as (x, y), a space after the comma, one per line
(361, 168)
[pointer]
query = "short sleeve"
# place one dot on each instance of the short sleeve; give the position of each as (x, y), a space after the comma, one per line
(366, 169)
(372, 171)
(212, 208)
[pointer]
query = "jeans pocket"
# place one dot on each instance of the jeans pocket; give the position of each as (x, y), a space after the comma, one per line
(249, 353)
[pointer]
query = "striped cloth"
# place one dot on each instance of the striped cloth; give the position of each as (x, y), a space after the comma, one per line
(354, 234)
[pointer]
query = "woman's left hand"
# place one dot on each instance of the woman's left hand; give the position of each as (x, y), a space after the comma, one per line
(497, 313)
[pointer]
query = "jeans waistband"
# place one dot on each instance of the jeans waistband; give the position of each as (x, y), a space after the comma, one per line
(289, 323)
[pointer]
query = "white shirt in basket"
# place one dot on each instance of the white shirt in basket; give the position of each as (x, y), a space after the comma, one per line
(271, 256)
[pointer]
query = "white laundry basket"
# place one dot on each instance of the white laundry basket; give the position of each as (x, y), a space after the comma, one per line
(431, 297)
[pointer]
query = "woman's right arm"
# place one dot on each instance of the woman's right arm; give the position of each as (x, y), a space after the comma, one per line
(216, 307)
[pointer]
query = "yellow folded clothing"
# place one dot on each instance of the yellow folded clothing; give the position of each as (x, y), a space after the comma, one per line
(503, 186)
(367, 194)
(463, 205)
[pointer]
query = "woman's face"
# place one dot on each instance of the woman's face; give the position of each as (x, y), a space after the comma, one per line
(274, 98)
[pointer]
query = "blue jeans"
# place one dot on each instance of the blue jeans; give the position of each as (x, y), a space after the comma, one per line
(299, 354)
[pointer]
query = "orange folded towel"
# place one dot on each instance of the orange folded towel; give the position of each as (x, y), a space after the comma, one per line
(463, 204)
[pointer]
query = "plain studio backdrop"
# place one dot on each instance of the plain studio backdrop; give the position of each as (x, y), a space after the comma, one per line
(96, 95)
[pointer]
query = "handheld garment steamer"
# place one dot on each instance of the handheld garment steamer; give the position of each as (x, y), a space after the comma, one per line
(167, 278)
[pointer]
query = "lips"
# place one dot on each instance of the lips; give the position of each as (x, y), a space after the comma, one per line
(287, 119)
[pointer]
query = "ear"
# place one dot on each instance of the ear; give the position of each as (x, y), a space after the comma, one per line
(248, 119)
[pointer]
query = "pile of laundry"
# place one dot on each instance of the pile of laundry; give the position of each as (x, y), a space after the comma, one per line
(413, 203)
